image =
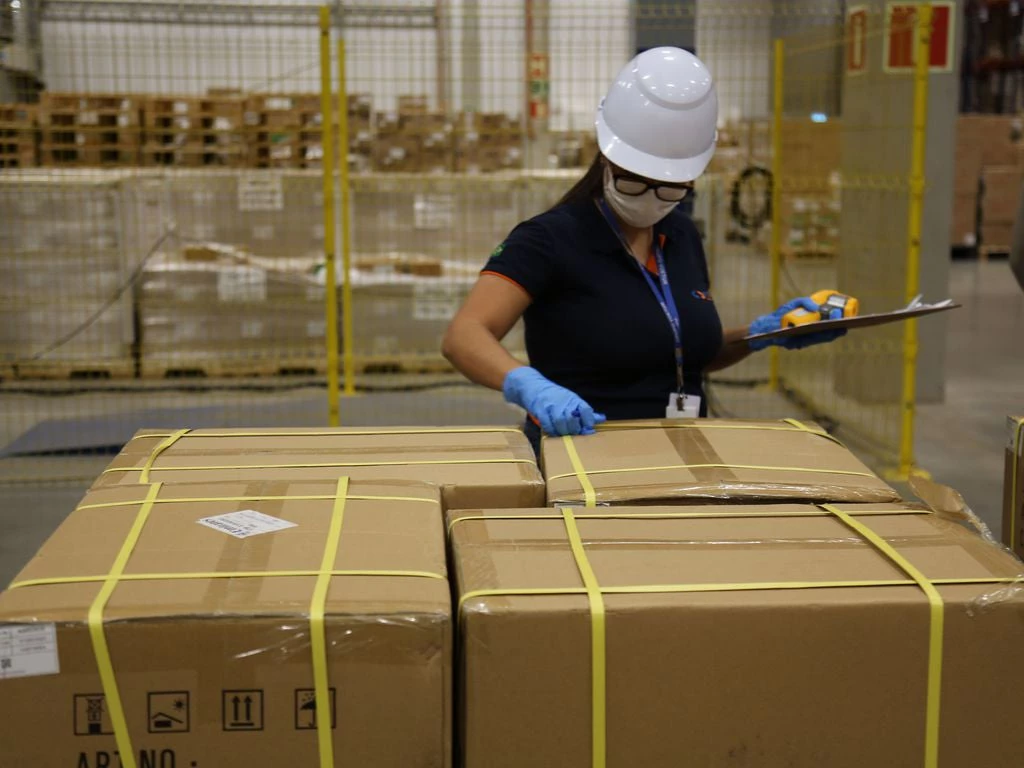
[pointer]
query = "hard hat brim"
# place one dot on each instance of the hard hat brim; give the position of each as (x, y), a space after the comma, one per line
(672, 170)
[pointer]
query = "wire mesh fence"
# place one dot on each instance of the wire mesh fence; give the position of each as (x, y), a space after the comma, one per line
(163, 249)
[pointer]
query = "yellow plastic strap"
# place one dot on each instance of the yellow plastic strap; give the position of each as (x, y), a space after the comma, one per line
(171, 440)
(352, 433)
(819, 432)
(598, 662)
(795, 426)
(318, 636)
(810, 512)
(219, 575)
(318, 465)
(935, 632)
(667, 467)
(99, 639)
(589, 495)
(203, 499)
(667, 589)
(1018, 451)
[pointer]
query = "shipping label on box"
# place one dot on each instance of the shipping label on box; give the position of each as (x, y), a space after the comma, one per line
(241, 283)
(434, 211)
(260, 192)
(436, 301)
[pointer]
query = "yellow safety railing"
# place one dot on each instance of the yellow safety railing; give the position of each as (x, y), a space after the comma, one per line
(330, 273)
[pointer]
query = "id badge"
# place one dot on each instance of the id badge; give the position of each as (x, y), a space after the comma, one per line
(690, 409)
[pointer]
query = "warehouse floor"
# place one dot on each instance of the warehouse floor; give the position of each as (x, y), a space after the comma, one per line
(960, 442)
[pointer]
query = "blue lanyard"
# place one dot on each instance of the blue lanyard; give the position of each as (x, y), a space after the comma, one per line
(662, 290)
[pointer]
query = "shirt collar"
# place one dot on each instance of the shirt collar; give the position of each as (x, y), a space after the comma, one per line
(604, 240)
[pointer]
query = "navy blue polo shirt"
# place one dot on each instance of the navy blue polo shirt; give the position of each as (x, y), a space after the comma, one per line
(594, 326)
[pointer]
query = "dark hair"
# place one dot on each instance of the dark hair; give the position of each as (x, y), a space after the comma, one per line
(588, 187)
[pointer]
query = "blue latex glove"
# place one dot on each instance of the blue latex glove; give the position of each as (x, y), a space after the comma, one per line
(772, 322)
(556, 409)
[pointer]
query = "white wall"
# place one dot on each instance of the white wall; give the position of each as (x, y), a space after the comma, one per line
(734, 38)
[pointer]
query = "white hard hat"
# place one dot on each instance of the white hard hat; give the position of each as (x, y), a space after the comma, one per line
(658, 118)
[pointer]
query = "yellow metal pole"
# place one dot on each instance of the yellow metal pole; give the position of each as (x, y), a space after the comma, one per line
(915, 208)
(776, 244)
(348, 352)
(330, 281)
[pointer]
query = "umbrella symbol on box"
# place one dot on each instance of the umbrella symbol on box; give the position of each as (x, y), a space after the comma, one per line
(305, 709)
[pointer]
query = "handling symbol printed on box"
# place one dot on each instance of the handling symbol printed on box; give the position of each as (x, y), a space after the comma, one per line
(91, 715)
(242, 710)
(168, 712)
(305, 709)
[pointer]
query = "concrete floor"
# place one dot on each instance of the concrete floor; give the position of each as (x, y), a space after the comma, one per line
(960, 442)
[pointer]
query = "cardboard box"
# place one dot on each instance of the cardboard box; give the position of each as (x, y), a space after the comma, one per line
(474, 466)
(220, 671)
(689, 461)
(1013, 486)
(717, 647)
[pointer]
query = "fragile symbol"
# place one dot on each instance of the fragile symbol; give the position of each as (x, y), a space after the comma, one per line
(91, 716)
(305, 709)
(242, 710)
(168, 712)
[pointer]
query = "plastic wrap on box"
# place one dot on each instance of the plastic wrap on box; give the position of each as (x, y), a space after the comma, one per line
(721, 634)
(690, 460)
(298, 623)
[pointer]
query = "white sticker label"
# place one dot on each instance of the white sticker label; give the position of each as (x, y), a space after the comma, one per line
(260, 192)
(687, 407)
(28, 650)
(434, 211)
(263, 232)
(245, 523)
(435, 302)
(240, 283)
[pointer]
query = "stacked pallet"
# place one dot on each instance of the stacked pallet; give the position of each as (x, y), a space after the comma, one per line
(78, 129)
(18, 136)
(195, 132)
(70, 246)
(487, 142)
(417, 140)
(285, 130)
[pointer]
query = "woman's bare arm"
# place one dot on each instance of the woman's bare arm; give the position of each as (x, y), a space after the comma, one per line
(473, 340)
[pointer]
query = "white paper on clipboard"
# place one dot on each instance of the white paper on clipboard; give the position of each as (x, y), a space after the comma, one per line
(916, 308)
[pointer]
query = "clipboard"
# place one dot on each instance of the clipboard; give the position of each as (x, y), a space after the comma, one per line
(916, 308)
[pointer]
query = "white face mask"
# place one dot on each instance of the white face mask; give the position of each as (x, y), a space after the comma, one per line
(644, 210)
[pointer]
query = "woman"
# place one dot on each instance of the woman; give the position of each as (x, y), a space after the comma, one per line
(612, 282)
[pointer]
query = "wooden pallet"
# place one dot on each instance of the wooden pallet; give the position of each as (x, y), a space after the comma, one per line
(194, 156)
(115, 155)
(313, 366)
(18, 136)
(75, 369)
(206, 368)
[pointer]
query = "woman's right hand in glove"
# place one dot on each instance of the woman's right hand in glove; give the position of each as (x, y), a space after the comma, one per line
(557, 410)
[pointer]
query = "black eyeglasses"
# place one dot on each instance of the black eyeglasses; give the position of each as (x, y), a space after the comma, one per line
(634, 186)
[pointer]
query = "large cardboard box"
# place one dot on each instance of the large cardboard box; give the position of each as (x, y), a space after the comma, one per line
(725, 636)
(222, 671)
(473, 466)
(689, 461)
(1013, 486)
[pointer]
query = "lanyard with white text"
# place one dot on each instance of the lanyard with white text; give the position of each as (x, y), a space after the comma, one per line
(663, 295)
